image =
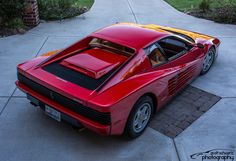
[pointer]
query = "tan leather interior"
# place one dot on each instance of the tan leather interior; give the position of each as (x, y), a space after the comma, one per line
(156, 57)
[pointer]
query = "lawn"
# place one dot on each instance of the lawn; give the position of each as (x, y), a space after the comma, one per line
(186, 5)
(86, 3)
(222, 11)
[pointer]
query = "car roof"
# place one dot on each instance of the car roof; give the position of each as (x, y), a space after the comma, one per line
(131, 35)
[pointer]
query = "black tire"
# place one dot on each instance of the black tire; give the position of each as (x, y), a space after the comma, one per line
(213, 52)
(130, 130)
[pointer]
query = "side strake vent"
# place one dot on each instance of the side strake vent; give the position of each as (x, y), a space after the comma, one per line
(172, 85)
(102, 118)
(181, 79)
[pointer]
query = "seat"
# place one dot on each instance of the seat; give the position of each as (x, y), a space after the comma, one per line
(156, 57)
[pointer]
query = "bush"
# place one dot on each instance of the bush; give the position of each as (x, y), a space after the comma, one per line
(58, 9)
(227, 3)
(226, 14)
(14, 23)
(205, 5)
(11, 13)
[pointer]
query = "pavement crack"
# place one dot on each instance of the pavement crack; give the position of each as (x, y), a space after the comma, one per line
(135, 18)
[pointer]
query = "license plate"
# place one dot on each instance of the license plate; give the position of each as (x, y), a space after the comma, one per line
(53, 113)
(33, 100)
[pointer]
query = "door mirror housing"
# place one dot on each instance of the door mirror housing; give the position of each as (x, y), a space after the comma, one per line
(201, 46)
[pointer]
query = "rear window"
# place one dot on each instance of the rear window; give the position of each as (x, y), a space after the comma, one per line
(112, 46)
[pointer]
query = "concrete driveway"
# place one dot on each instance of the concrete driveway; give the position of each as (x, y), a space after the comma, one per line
(27, 134)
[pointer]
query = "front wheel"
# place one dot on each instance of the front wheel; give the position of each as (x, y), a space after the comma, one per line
(139, 117)
(208, 61)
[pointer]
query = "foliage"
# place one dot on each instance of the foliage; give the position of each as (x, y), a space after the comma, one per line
(11, 13)
(226, 14)
(222, 11)
(205, 5)
(60, 9)
(14, 23)
(227, 3)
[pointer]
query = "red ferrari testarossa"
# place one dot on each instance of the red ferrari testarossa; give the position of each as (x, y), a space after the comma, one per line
(115, 79)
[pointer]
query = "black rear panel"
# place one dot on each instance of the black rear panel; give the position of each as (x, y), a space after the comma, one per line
(102, 118)
(75, 77)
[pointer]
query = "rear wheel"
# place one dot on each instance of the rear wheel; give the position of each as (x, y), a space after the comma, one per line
(208, 61)
(139, 117)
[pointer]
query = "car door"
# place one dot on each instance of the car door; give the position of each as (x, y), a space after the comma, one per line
(162, 65)
(184, 58)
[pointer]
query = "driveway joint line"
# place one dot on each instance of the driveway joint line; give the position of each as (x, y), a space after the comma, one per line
(18, 96)
(176, 149)
(4, 96)
(64, 36)
(8, 100)
(11, 96)
(42, 46)
(135, 18)
(226, 36)
(48, 35)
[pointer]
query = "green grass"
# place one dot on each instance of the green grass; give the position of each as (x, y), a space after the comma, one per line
(85, 3)
(186, 5)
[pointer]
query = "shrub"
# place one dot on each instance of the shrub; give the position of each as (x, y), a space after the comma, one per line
(11, 13)
(227, 3)
(58, 9)
(224, 11)
(14, 23)
(205, 5)
(226, 14)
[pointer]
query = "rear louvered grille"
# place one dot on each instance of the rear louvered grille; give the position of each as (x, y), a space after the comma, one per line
(185, 76)
(172, 85)
(103, 118)
(178, 81)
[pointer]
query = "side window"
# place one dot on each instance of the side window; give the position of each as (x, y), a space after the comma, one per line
(173, 47)
(155, 55)
(177, 43)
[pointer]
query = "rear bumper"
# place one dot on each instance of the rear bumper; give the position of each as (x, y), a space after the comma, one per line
(87, 123)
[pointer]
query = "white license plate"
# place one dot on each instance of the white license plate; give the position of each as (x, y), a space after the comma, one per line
(53, 113)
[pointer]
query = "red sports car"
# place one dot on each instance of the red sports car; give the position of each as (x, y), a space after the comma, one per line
(115, 79)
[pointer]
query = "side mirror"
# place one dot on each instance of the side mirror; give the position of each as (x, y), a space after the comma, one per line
(201, 46)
